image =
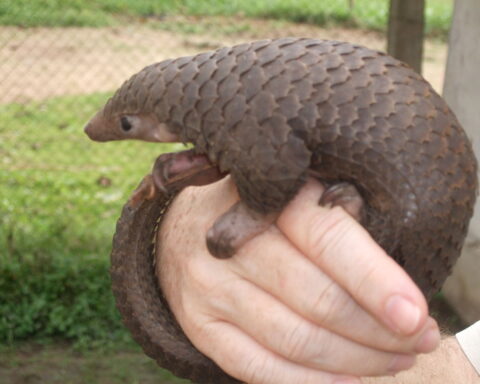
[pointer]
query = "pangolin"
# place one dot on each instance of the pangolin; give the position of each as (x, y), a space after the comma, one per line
(272, 113)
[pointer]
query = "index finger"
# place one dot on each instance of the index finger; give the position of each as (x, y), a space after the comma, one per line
(344, 250)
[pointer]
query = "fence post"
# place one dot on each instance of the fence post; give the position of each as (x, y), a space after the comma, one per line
(406, 23)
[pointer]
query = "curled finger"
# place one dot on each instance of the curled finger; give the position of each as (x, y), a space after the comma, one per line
(276, 266)
(245, 359)
(298, 340)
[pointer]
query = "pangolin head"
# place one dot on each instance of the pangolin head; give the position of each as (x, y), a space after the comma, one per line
(132, 112)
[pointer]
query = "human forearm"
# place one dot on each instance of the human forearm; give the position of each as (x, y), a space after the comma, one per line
(446, 365)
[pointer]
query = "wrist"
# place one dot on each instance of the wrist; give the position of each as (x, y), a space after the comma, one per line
(458, 362)
(446, 365)
(469, 342)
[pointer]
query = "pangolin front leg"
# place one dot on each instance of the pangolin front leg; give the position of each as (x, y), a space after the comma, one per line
(175, 171)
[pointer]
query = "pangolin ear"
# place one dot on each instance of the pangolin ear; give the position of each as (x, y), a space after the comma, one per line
(162, 133)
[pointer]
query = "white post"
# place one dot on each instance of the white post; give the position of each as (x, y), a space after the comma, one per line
(462, 92)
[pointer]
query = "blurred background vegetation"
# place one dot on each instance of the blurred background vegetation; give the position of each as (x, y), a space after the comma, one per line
(60, 194)
(371, 14)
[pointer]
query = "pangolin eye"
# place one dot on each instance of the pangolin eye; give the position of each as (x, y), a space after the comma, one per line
(126, 125)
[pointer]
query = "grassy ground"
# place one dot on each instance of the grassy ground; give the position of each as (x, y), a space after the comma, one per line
(370, 14)
(60, 195)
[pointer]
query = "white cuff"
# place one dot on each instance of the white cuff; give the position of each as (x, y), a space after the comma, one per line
(469, 340)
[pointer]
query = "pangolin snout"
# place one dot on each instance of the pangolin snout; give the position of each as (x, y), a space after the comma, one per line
(88, 130)
(97, 129)
(93, 133)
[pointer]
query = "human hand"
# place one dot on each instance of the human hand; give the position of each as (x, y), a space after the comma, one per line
(311, 300)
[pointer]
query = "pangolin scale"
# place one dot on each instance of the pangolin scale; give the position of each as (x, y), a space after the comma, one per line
(273, 112)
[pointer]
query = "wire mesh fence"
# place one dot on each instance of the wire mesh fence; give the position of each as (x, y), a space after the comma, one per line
(41, 63)
(53, 50)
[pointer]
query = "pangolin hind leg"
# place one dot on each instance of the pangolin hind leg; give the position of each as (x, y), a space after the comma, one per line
(240, 223)
(345, 195)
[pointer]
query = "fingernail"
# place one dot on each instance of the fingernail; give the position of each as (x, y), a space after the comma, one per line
(401, 362)
(348, 380)
(428, 341)
(403, 314)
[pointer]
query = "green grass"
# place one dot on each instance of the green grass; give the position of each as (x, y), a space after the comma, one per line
(57, 218)
(370, 14)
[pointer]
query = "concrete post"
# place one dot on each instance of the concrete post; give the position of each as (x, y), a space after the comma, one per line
(462, 92)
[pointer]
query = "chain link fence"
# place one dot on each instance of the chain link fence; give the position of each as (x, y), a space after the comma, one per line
(41, 56)
(41, 63)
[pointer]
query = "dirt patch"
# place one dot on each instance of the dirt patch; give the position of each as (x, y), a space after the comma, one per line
(38, 63)
(31, 364)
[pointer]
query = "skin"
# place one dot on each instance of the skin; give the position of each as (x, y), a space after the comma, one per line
(311, 300)
(447, 365)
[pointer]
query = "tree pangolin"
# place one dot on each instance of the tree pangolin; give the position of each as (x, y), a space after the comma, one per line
(273, 112)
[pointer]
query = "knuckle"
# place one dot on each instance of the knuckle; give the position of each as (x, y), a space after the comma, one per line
(199, 326)
(295, 342)
(197, 273)
(256, 370)
(330, 305)
(377, 364)
(323, 349)
(391, 343)
(201, 332)
(365, 278)
(327, 230)
(223, 296)
(206, 276)
(307, 344)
